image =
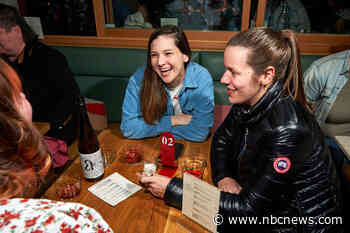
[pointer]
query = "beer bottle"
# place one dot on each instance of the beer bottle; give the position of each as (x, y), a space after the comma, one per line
(88, 146)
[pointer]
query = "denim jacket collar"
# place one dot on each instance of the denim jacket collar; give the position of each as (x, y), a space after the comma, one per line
(188, 82)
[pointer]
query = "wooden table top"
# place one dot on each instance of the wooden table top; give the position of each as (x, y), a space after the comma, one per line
(140, 213)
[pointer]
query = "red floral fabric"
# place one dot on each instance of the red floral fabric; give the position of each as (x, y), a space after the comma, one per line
(40, 216)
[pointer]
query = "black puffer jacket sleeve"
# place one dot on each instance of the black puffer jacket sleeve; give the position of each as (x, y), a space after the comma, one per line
(173, 193)
(223, 160)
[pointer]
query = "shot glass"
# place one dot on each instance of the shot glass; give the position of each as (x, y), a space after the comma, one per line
(194, 166)
(149, 167)
(108, 155)
(68, 187)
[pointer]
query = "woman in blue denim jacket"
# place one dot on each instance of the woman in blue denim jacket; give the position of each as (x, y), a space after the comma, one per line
(323, 81)
(170, 93)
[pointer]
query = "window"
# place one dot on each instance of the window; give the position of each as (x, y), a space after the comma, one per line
(62, 17)
(189, 14)
(253, 14)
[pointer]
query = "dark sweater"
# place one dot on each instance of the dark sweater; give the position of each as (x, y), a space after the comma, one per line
(50, 87)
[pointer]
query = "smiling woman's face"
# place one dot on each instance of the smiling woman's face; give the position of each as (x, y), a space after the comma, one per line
(243, 86)
(168, 61)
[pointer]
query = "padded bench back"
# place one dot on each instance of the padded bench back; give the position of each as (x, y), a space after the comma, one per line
(103, 73)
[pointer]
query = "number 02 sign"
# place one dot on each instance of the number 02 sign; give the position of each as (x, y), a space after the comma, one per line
(167, 149)
(167, 141)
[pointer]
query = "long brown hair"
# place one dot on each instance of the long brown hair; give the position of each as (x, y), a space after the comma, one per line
(278, 49)
(153, 96)
(23, 157)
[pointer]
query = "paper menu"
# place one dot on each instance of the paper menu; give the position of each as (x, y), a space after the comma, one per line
(114, 189)
(200, 201)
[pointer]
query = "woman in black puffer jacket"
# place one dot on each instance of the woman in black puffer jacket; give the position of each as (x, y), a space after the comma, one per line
(268, 157)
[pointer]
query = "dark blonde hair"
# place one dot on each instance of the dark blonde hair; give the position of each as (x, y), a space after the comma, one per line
(23, 157)
(153, 96)
(279, 49)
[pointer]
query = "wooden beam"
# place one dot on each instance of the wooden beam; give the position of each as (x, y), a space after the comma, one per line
(245, 14)
(310, 44)
(99, 17)
(261, 13)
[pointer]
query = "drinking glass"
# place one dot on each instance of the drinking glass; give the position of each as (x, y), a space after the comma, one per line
(132, 153)
(194, 165)
(108, 154)
(68, 187)
(149, 166)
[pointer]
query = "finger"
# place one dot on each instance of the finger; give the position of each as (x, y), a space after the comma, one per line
(230, 190)
(145, 180)
(153, 191)
(139, 175)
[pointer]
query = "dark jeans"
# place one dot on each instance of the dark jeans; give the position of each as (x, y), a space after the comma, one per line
(339, 159)
(338, 155)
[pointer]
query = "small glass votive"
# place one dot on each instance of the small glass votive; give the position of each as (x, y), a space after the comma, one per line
(149, 167)
(194, 166)
(132, 153)
(68, 187)
(108, 155)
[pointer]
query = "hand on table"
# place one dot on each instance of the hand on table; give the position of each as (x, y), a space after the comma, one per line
(229, 185)
(181, 119)
(156, 184)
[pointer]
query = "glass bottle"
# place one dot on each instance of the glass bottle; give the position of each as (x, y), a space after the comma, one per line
(88, 146)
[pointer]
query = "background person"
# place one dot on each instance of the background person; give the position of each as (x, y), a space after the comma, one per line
(287, 14)
(268, 157)
(327, 88)
(47, 81)
(24, 164)
(171, 94)
(139, 19)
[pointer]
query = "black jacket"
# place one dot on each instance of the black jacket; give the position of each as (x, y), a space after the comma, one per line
(50, 87)
(276, 152)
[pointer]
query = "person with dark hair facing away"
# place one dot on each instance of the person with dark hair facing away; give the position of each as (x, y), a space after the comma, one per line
(47, 81)
(171, 94)
(269, 157)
